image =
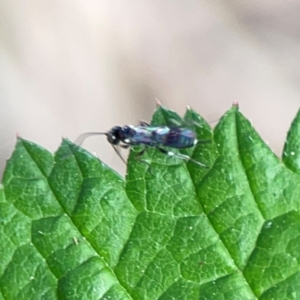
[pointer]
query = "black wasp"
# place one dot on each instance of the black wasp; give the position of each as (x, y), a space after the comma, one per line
(152, 136)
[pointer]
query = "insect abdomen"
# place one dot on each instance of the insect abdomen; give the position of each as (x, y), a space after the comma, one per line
(175, 137)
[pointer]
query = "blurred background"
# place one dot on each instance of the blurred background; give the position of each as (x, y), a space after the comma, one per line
(67, 67)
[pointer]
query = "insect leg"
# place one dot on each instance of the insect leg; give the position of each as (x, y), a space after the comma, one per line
(125, 146)
(119, 154)
(182, 156)
(138, 157)
(140, 154)
(143, 123)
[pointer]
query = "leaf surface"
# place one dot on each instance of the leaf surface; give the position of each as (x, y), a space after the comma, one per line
(72, 228)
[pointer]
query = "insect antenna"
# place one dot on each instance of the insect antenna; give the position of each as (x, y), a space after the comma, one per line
(79, 141)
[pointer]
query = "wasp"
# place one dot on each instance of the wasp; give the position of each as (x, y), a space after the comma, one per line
(149, 136)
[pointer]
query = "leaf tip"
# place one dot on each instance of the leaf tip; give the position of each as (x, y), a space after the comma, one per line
(18, 135)
(158, 103)
(20, 140)
(235, 103)
(65, 139)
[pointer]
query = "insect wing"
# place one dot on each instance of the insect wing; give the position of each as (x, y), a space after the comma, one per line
(175, 137)
(143, 135)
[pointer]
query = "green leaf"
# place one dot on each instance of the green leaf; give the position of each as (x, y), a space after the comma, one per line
(72, 228)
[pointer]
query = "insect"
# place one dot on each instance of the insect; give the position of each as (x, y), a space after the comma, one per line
(149, 136)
